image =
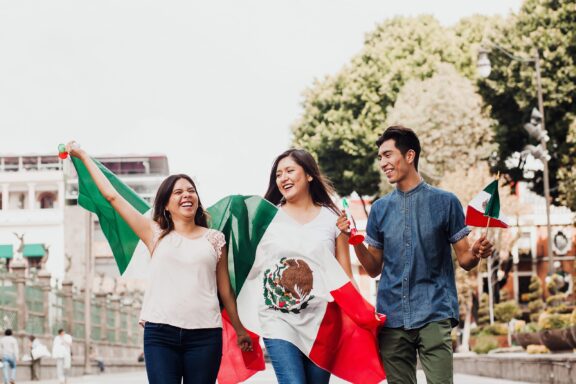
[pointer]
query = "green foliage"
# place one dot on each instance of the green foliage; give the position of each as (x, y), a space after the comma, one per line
(485, 344)
(447, 114)
(497, 329)
(483, 311)
(531, 328)
(554, 321)
(536, 304)
(573, 318)
(344, 114)
(548, 27)
(506, 311)
(567, 174)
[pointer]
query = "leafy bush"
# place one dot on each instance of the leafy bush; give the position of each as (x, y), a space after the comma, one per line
(519, 326)
(536, 304)
(531, 328)
(498, 329)
(554, 321)
(483, 311)
(485, 344)
(506, 311)
(573, 318)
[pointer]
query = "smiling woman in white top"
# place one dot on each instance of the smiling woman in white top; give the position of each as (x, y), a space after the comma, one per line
(189, 269)
(303, 194)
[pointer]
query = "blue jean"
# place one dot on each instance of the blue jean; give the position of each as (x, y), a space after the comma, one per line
(172, 354)
(291, 366)
(9, 369)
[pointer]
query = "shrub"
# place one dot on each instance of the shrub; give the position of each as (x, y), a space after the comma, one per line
(531, 328)
(498, 329)
(573, 318)
(485, 344)
(506, 311)
(554, 321)
(535, 304)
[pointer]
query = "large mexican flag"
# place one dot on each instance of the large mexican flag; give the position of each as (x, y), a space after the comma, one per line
(306, 300)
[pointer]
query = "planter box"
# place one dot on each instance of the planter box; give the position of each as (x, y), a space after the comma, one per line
(524, 339)
(556, 340)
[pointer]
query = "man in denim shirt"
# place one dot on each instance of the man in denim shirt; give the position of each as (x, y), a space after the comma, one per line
(410, 233)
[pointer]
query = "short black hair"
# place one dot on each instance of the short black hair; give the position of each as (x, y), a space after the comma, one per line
(405, 139)
(8, 332)
(60, 331)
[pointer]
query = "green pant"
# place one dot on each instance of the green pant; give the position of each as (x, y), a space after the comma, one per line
(434, 345)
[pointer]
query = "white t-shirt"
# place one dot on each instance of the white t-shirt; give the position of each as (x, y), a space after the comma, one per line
(9, 346)
(309, 243)
(182, 289)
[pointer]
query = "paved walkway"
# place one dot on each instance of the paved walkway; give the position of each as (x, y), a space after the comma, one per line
(265, 377)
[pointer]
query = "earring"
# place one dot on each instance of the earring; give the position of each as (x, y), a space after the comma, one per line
(166, 213)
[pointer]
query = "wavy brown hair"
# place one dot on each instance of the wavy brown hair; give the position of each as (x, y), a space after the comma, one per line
(320, 187)
(163, 217)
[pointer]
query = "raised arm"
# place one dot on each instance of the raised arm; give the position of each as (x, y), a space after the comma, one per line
(140, 224)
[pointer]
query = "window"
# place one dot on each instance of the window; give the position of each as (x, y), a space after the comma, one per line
(16, 200)
(46, 200)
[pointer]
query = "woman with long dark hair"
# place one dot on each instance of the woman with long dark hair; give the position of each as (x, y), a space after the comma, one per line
(303, 196)
(188, 270)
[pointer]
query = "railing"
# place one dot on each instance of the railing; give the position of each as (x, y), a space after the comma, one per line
(30, 305)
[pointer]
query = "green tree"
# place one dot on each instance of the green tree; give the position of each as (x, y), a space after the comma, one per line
(548, 27)
(447, 114)
(535, 304)
(567, 174)
(344, 114)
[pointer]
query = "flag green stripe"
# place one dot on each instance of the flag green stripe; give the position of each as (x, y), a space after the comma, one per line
(243, 220)
(493, 206)
(120, 236)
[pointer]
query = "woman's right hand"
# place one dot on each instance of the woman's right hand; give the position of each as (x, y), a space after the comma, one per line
(73, 148)
(343, 223)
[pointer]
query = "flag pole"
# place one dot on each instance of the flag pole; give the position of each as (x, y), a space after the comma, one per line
(489, 270)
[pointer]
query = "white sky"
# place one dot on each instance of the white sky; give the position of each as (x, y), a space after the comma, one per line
(215, 85)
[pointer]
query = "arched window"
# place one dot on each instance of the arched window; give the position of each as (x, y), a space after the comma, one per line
(46, 200)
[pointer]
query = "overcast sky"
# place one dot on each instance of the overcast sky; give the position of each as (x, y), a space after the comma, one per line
(214, 85)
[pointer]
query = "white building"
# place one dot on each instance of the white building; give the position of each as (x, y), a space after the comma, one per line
(38, 202)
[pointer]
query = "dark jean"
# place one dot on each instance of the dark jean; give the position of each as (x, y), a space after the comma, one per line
(291, 366)
(172, 354)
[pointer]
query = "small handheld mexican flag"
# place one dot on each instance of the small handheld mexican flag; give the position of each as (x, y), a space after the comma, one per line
(484, 209)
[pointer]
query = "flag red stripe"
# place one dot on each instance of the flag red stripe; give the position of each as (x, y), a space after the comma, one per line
(236, 365)
(475, 218)
(346, 344)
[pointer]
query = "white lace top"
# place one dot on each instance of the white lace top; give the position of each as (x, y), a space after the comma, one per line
(182, 290)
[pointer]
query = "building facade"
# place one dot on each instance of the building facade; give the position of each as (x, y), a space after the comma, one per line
(41, 222)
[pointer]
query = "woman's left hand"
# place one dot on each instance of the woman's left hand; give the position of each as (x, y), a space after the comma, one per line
(244, 341)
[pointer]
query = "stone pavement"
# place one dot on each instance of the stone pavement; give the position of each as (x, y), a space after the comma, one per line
(265, 377)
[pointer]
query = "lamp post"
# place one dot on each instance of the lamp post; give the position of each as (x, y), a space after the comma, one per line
(536, 128)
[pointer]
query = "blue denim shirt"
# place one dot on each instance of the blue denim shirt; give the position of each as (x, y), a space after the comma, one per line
(415, 230)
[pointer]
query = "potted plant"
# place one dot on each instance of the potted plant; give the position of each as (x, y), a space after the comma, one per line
(572, 328)
(528, 334)
(553, 332)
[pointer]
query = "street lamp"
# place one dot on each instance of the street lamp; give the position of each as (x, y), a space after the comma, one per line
(536, 128)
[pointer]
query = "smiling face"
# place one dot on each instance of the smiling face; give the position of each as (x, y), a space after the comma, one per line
(393, 163)
(292, 181)
(183, 201)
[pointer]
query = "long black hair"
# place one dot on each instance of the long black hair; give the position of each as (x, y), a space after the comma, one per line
(163, 217)
(320, 187)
